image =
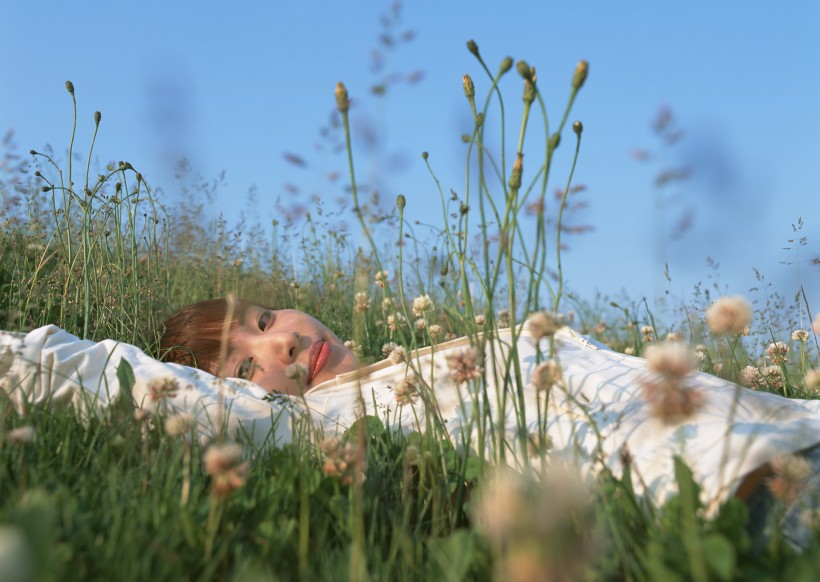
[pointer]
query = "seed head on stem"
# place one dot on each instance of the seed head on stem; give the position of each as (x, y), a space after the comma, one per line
(342, 100)
(580, 76)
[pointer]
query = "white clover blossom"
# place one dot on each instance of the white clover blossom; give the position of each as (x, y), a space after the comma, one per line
(180, 424)
(422, 304)
(729, 316)
(800, 335)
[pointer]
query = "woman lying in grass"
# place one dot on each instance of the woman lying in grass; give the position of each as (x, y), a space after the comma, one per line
(505, 396)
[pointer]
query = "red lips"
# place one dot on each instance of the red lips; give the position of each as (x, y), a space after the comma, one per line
(319, 355)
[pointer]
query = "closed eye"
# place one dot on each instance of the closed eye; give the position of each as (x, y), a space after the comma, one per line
(265, 319)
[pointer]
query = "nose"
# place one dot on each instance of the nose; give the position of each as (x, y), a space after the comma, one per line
(283, 346)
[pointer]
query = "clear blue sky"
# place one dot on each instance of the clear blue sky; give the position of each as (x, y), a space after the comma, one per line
(235, 85)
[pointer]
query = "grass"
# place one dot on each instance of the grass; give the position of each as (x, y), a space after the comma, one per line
(103, 256)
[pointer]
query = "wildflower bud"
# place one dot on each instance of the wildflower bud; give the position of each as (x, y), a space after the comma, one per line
(505, 65)
(472, 47)
(518, 169)
(97, 117)
(529, 91)
(555, 140)
(88, 192)
(524, 70)
(463, 209)
(578, 128)
(46, 188)
(38, 174)
(342, 102)
(118, 187)
(70, 87)
(424, 155)
(139, 177)
(465, 138)
(32, 152)
(401, 201)
(445, 268)
(580, 75)
(469, 87)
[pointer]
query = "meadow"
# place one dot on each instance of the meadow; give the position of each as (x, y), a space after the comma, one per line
(102, 254)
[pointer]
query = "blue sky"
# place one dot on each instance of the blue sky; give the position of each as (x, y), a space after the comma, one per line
(234, 86)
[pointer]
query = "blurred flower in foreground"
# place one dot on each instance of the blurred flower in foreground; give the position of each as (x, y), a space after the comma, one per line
(164, 387)
(729, 316)
(539, 527)
(542, 324)
(670, 398)
(800, 335)
(23, 435)
(547, 375)
(812, 381)
(361, 302)
(180, 424)
(465, 365)
(816, 323)
(503, 318)
(341, 460)
(789, 474)
(223, 463)
(15, 555)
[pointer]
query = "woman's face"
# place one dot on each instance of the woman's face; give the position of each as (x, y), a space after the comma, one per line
(267, 341)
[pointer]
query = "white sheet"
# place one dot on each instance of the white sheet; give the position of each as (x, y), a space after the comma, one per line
(599, 415)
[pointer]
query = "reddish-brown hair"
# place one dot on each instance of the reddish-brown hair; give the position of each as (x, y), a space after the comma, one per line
(193, 335)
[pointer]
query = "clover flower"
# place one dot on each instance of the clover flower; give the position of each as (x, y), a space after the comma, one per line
(479, 320)
(162, 388)
(381, 278)
(422, 304)
(398, 355)
(812, 381)
(815, 325)
(547, 375)
(354, 347)
(464, 365)
(387, 303)
(750, 376)
(180, 424)
(341, 460)
(388, 348)
(361, 302)
(729, 316)
(648, 333)
(772, 376)
(436, 331)
(800, 335)
(777, 352)
(669, 397)
(223, 463)
(503, 318)
(421, 324)
(543, 325)
(406, 390)
(789, 474)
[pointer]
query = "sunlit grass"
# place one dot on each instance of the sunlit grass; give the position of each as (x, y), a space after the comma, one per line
(117, 496)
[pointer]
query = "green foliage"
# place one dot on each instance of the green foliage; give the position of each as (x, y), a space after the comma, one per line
(100, 497)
